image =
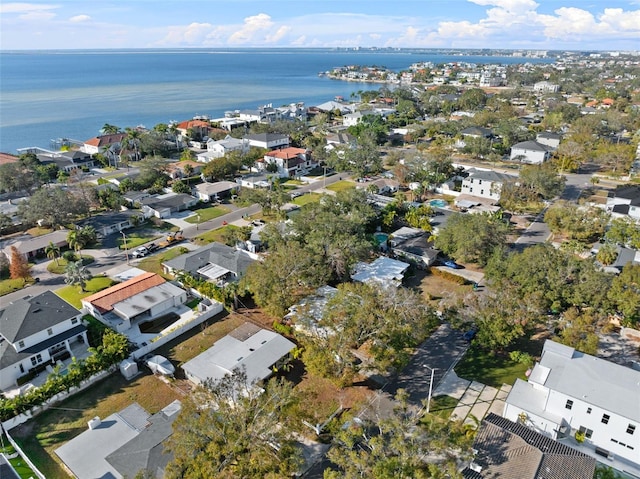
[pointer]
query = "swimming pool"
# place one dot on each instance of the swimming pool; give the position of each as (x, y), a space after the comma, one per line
(438, 203)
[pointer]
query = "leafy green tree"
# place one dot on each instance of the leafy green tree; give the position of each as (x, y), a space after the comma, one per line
(54, 206)
(229, 428)
(542, 179)
(624, 294)
(578, 330)
(419, 217)
(623, 231)
(607, 254)
(473, 99)
(5, 221)
(472, 237)
(576, 222)
(179, 186)
(289, 273)
(108, 129)
(76, 274)
(14, 177)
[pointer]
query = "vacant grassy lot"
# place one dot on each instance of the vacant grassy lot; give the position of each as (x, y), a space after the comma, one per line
(73, 295)
(153, 264)
(58, 265)
(206, 214)
(137, 238)
(341, 186)
(306, 199)
(436, 289)
(214, 235)
(10, 285)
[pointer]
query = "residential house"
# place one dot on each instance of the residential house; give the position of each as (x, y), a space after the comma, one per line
(196, 129)
(122, 445)
(475, 132)
(67, 161)
(10, 208)
(254, 180)
(383, 271)
(163, 206)
(413, 245)
(219, 148)
(306, 315)
(509, 450)
(32, 247)
(134, 198)
(37, 331)
(215, 191)
(485, 183)
(113, 222)
(176, 169)
(331, 106)
(624, 256)
(530, 152)
(549, 139)
(215, 261)
(353, 119)
(268, 141)
(252, 349)
(570, 392)
(546, 87)
(340, 138)
(289, 161)
(141, 298)
(102, 143)
(624, 201)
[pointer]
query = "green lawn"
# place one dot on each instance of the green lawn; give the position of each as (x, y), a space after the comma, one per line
(10, 285)
(153, 264)
(492, 370)
(443, 406)
(57, 267)
(213, 235)
(306, 199)
(18, 464)
(136, 239)
(73, 295)
(207, 214)
(341, 186)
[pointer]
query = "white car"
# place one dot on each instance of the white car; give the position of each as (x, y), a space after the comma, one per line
(140, 252)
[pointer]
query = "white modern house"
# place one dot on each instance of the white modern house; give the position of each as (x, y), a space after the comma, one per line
(219, 148)
(531, 152)
(268, 141)
(549, 138)
(252, 349)
(485, 183)
(37, 331)
(570, 392)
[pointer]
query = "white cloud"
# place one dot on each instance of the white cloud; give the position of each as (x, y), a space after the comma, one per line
(36, 16)
(17, 7)
(252, 25)
(80, 18)
(278, 35)
(194, 33)
(515, 6)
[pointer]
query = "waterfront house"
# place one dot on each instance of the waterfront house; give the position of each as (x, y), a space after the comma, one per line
(102, 143)
(37, 331)
(289, 161)
(268, 141)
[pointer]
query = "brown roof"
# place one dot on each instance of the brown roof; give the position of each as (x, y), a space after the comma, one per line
(104, 300)
(286, 153)
(104, 140)
(6, 158)
(185, 125)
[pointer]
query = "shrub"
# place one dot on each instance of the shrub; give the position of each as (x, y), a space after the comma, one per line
(283, 329)
(448, 276)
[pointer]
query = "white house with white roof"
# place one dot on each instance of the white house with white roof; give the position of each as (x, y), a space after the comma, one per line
(485, 183)
(569, 391)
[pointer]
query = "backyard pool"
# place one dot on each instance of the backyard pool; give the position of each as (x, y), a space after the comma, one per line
(438, 203)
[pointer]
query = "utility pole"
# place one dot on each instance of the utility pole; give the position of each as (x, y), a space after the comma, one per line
(126, 251)
(430, 388)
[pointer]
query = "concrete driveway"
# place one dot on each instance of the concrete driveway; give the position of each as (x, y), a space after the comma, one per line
(436, 355)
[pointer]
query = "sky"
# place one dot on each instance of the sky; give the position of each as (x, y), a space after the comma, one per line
(511, 24)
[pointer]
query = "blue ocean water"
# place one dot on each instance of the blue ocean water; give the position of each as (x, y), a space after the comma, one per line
(46, 95)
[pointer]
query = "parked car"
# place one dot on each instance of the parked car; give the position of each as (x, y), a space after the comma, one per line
(140, 252)
(451, 264)
(469, 335)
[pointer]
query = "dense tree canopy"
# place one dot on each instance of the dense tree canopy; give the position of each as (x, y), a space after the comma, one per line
(583, 223)
(229, 429)
(472, 237)
(54, 206)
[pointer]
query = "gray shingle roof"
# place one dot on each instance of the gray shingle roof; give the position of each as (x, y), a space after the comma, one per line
(508, 450)
(492, 176)
(531, 145)
(27, 316)
(236, 261)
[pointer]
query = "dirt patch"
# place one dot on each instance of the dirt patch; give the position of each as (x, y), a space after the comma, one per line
(437, 290)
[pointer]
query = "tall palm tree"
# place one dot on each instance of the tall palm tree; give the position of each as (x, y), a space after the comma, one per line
(53, 252)
(75, 273)
(132, 140)
(108, 129)
(173, 130)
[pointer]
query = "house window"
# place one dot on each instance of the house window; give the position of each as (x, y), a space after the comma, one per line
(589, 410)
(21, 344)
(479, 182)
(587, 432)
(49, 331)
(470, 190)
(74, 320)
(569, 404)
(605, 419)
(631, 429)
(482, 192)
(37, 359)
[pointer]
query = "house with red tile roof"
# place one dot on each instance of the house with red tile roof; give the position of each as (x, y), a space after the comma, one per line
(289, 162)
(199, 128)
(141, 298)
(99, 144)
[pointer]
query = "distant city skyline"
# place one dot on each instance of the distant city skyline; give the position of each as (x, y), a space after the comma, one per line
(505, 24)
